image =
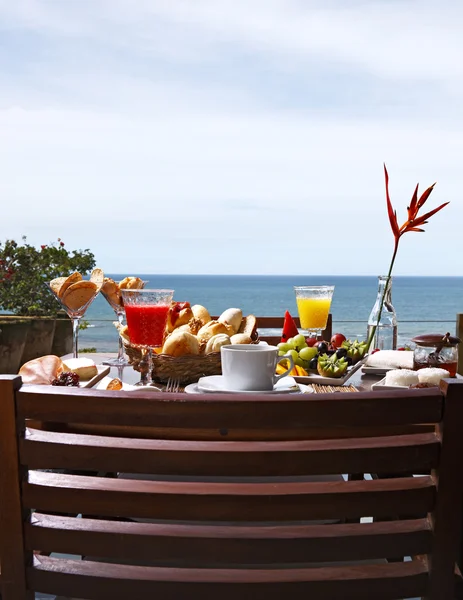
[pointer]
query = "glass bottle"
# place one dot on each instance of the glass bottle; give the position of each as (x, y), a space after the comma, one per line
(386, 333)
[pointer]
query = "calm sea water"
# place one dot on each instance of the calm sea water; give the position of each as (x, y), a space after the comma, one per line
(435, 300)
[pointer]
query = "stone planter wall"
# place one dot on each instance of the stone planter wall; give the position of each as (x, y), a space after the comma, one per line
(25, 338)
(62, 340)
(13, 335)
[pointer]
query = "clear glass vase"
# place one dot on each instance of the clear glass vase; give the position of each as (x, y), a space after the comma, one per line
(385, 337)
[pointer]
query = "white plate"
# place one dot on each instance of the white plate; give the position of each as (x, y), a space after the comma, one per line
(214, 384)
(102, 371)
(316, 378)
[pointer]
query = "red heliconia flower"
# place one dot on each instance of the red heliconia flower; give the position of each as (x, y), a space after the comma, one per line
(414, 222)
(61, 244)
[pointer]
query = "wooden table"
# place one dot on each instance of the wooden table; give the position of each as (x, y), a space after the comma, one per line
(362, 382)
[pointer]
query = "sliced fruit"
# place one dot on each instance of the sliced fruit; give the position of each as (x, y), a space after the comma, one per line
(289, 328)
(298, 371)
(355, 349)
(331, 366)
(280, 369)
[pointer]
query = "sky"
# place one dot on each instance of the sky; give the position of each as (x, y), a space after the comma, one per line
(233, 136)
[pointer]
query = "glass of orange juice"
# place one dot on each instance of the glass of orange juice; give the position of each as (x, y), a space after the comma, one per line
(313, 305)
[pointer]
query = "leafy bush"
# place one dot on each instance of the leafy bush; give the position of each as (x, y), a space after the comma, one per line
(24, 270)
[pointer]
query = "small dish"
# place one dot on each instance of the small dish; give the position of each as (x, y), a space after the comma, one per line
(381, 385)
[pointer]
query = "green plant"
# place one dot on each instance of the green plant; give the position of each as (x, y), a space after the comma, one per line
(24, 270)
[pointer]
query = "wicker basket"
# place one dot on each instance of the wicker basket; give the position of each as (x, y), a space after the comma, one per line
(186, 369)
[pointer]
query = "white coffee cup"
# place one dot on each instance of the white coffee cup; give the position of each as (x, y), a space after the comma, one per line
(251, 367)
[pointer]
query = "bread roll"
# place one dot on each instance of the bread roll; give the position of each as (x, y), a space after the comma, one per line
(201, 313)
(233, 317)
(180, 343)
(42, 371)
(216, 342)
(210, 329)
(179, 314)
(249, 327)
(240, 338)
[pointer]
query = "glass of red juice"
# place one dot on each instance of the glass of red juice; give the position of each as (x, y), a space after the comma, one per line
(146, 313)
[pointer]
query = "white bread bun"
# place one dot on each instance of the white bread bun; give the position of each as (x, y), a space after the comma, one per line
(210, 329)
(233, 317)
(216, 342)
(201, 313)
(240, 338)
(179, 314)
(249, 327)
(84, 367)
(180, 343)
(42, 371)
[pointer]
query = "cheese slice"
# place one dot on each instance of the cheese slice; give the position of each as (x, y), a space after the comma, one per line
(84, 367)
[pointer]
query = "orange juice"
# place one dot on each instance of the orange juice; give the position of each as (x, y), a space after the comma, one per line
(313, 312)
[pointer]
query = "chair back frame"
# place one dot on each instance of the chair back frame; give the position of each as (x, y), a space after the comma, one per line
(233, 518)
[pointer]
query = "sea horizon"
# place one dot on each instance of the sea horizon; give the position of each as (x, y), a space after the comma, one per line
(422, 303)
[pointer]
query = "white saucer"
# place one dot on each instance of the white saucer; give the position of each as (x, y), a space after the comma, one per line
(214, 384)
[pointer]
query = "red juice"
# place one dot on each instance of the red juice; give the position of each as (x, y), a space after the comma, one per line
(146, 323)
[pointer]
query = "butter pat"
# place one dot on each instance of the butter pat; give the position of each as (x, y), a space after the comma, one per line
(84, 367)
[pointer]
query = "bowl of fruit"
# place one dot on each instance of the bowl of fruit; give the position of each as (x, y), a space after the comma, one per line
(325, 362)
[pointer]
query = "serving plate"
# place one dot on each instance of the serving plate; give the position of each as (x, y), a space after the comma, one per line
(316, 378)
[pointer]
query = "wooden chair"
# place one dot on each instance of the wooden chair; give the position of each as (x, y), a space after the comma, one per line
(229, 519)
(264, 323)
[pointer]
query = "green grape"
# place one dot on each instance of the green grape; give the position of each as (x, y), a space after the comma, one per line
(299, 341)
(294, 354)
(308, 353)
(299, 362)
(283, 347)
(290, 343)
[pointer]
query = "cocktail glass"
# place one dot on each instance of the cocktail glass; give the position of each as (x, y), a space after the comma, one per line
(117, 304)
(313, 305)
(76, 311)
(146, 312)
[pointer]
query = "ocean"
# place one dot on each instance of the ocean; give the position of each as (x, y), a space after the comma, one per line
(422, 304)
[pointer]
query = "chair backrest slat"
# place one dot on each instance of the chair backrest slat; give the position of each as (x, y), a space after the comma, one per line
(228, 411)
(235, 544)
(415, 453)
(263, 501)
(105, 580)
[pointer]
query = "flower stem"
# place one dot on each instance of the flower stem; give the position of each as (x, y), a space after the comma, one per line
(373, 331)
